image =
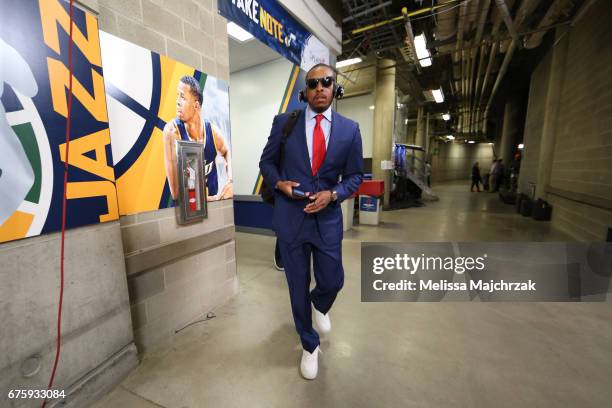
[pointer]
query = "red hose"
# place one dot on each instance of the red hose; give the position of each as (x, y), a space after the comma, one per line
(64, 201)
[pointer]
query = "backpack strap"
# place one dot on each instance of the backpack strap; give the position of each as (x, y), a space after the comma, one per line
(287, 129)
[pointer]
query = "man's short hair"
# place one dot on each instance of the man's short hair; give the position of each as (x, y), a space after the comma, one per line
(194, 87)
(322, 65)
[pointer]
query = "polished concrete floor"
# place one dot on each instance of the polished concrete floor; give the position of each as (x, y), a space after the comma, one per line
(387, 354)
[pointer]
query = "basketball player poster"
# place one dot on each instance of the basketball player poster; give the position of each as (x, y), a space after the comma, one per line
(153, 101)
(33, 113)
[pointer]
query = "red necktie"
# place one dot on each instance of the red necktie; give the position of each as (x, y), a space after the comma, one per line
(318, 145)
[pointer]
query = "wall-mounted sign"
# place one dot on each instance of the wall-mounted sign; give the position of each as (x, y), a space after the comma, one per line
(34, 79)
(268, 21)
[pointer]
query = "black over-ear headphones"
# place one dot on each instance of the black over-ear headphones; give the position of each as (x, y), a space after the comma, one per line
(338, 93)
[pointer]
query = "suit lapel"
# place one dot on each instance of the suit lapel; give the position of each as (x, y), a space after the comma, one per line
(333, 140)
(300, 129)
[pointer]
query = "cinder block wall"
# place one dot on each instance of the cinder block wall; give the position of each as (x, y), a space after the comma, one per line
(175, 273)
(97, 338)
(190, 31)
(534, 124)
(455, 160)
(581, 180)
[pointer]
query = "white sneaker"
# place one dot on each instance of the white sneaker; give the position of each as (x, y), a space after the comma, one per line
(310, 364)
(322, 320)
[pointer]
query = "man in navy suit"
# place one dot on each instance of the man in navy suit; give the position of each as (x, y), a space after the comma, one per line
(322, 158)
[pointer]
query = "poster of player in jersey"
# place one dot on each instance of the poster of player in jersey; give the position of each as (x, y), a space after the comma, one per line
(154, 101)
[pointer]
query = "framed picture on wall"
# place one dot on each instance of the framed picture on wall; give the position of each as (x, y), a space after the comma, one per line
(191, 203)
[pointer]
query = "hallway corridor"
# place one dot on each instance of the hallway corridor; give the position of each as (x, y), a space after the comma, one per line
(386, 354)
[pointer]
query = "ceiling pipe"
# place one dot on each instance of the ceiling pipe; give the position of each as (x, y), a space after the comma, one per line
(446, 23)
(505, 14)
(462, 13)
(500, 77)
(410, 37)
(527, 7)
(366, 11)
(475, 82)
(558, 9)
(460, 56)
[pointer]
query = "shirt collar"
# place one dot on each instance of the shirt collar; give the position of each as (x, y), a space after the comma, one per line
(310, 114)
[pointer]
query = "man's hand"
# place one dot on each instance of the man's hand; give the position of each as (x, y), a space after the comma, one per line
(287, 188)
(318, 202)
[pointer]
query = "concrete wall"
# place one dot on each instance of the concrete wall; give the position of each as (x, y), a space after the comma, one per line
(190, 31)
(174, 273)
(534, 124)
(358, 109)
(251, 122)
(580, 187)
(97, 340)
(455, 160)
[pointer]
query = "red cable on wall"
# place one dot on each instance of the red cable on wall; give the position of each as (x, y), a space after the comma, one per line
(64, 200)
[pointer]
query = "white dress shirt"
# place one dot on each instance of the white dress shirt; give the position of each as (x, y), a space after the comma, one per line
(311, 122)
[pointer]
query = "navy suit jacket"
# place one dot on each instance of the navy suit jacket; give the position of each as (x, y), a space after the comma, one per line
(343, 158)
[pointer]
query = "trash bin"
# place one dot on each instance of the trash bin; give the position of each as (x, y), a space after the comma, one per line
(370, 194)
(369, 210)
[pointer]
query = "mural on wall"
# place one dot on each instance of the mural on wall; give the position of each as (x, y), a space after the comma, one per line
(120, 168)
(289, 103)
(151, 107)
(34, 79)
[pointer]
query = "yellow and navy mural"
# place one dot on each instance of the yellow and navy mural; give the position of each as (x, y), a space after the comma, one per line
(289, 103)
(124, 120)
(150, 106)
(34, 77)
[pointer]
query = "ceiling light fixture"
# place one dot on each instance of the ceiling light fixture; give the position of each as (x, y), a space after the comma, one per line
(371, 107)
(471, 141)
(521, 146)
(450, 137)
(438, 95)
(446, 117)
(238, 33)
(423, 54)
(347, 62)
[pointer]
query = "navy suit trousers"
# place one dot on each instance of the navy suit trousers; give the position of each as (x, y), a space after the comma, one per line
(328, 272)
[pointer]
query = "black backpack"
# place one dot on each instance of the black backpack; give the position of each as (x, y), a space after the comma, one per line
(266, 192)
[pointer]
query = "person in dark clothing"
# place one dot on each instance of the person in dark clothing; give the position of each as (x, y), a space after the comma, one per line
(501, 174)
(475, 178)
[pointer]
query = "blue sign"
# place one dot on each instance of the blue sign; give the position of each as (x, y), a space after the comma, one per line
(268, 21)
(367, 203)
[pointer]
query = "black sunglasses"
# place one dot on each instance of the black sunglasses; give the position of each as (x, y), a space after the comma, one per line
(326, 82)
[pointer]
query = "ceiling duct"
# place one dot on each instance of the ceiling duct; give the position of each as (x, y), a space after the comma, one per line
(557, 10)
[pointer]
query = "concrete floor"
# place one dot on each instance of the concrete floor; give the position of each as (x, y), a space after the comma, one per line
(387, 354)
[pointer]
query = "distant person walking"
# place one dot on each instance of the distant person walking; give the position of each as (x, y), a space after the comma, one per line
(428, 173)
(475, 178)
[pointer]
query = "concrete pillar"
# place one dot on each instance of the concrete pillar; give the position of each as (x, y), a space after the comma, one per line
(551, 112)
(510, 131)
(383, 121)
(421, 137)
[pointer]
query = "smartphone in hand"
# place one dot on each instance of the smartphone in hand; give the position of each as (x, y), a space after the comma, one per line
(298, 193)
